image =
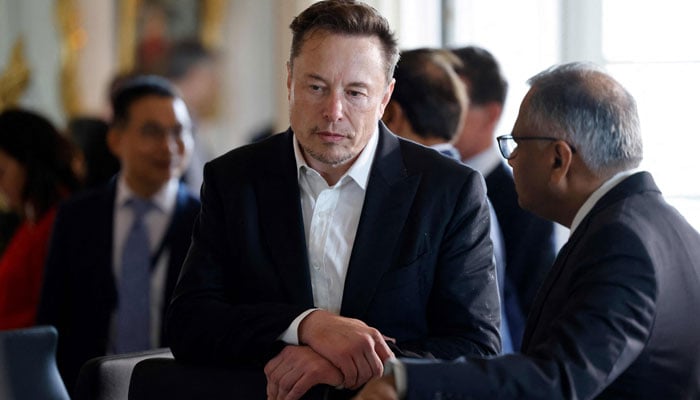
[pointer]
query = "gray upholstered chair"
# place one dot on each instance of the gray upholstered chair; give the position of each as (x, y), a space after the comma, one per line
(28, 365)
(108, 377)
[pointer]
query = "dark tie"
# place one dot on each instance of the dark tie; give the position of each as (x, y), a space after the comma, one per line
(133, 310)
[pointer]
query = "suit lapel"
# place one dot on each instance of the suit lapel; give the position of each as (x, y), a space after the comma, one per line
(389, 196)
(281, 222)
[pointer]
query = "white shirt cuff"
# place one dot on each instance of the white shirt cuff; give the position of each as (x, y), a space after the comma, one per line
(291, 334)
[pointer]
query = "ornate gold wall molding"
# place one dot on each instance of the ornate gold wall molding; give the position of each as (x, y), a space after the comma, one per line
(127, 14)
(72, 40)
(212, 14)
(14, 79)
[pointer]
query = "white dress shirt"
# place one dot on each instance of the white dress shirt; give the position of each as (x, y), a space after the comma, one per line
(331, 215)
(486, 161)
(595, 196)
(157, 221)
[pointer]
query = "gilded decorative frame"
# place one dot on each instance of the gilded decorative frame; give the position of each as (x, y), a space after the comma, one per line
(211, 18)
(14, 77)
(72, 40)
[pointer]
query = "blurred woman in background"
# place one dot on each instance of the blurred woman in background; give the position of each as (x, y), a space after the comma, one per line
(37, 170)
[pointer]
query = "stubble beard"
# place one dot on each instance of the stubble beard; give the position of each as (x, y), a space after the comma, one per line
(326, 158)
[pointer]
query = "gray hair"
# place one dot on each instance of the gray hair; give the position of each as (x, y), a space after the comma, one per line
(587, 108)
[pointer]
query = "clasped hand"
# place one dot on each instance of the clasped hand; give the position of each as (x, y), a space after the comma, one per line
(337, 351)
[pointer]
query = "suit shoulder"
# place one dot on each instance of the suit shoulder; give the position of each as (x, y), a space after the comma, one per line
(254, 154)
(88, 200)
(416, 155)
(251, 163)
(427, 161)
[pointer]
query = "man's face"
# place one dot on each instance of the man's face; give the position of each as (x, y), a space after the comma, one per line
(473, 130)
(155, 143)
(337, 94)
(530, 164)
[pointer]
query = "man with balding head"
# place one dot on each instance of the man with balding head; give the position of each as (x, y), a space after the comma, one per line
(613, 317)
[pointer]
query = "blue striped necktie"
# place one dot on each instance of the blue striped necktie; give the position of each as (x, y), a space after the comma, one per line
(133, 311)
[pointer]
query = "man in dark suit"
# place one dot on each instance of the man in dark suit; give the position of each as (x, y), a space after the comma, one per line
(529, 241)
(81, 295)
(613, 318)
(428, 107)
(323, 251)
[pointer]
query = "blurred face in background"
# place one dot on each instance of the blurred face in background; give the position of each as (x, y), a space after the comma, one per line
(13, 177)
(155, 143)
(338, 91)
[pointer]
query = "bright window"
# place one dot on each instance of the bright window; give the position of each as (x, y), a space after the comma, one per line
(651, 48)
(523, 35)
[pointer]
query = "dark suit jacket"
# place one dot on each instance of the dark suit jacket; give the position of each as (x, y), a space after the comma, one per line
(530, 248)
(615, 317)
(79, 294)
(421, 267)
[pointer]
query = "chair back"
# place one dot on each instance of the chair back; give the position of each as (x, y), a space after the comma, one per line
(28, 365)
(108, 377)
(176, 380)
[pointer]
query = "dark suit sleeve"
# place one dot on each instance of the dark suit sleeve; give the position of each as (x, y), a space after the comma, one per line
(211, 318)
(603, 324)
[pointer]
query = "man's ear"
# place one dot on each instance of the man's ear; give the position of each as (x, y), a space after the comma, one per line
(493, 111)
(289, 75)
(561, 162)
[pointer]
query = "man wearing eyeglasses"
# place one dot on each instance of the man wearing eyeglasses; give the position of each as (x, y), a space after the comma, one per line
(614, 317)
(116, 250)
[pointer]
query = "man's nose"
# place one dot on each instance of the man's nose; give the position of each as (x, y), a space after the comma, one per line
(333, 110)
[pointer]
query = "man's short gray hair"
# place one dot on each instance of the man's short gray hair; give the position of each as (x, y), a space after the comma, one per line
(586, 107)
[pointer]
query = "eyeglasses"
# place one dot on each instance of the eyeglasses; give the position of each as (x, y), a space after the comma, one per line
(507, 144)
